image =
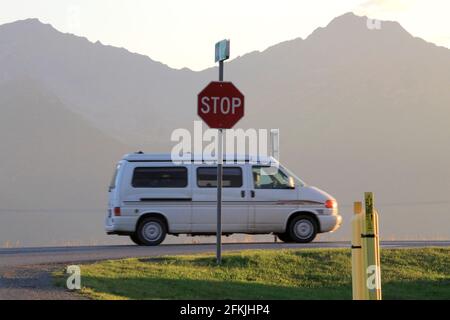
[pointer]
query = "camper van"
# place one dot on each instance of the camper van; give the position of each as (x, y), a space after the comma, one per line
(151, 196)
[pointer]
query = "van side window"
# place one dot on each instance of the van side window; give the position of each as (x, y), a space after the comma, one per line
(159, 177)
(207, 177)
(266, 178)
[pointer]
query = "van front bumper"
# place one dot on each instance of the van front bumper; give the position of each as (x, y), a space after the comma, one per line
(329, 223)
(120, 225)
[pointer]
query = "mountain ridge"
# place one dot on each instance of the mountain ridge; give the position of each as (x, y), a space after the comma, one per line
(345, 18)
(34, 24)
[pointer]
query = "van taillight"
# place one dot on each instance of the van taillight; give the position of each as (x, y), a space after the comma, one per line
(331, 204)
(117, 211)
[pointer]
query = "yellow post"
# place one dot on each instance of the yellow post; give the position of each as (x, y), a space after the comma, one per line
(357, 256)
(370, 247)
(377, 256)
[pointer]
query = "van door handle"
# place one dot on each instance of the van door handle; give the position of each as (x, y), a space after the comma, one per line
(243, 193)
(252, 193)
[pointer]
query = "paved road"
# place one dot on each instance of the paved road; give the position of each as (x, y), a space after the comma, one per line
(25, 273)
(52, 255)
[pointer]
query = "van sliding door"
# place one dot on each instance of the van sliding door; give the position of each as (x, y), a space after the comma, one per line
(235, 198)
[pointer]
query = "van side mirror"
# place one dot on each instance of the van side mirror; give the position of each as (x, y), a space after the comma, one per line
(291, 183)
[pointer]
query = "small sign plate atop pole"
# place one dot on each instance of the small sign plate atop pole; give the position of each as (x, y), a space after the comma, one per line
(222, 50)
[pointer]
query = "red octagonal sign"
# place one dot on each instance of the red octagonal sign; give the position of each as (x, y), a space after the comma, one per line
(220, 105)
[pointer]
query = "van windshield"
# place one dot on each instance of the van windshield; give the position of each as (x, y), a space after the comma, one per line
(112, 185)
(298, 181)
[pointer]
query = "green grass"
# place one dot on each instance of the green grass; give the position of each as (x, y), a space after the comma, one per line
(258, 274)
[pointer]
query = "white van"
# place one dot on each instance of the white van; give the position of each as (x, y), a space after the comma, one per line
(150, 196)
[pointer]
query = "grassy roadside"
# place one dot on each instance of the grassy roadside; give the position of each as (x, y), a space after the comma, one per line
(265, 274)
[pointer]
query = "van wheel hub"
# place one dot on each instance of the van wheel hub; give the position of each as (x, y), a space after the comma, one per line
(303, 229)
(152, 231)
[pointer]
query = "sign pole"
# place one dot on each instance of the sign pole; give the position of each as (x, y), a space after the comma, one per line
(220, 104)
(219, 197)
(220, 71)
(219, 182)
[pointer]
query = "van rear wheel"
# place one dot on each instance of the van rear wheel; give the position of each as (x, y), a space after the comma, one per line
(151, 231)
(135, 239)
(303, 229)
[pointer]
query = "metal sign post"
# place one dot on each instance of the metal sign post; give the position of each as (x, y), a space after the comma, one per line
(220, 105)
(219, 196)
(222, 53)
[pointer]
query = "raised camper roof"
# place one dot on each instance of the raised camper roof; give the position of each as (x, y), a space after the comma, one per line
(167, 157)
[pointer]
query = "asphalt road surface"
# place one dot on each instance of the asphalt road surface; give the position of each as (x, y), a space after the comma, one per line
(25, 273)
(45, 255)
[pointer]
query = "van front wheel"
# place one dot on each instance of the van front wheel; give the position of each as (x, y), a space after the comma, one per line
(151, 231)
(303, 229)
(284, 237)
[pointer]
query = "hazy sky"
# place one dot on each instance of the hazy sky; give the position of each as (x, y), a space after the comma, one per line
(182, 33)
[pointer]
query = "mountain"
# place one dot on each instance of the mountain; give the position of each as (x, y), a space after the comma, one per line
(358, 109)
(52, 158)
(119, 91)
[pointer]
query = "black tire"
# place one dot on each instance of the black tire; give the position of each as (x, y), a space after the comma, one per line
(135, 239)
(151, 231)
(303, 229)
(284, 237)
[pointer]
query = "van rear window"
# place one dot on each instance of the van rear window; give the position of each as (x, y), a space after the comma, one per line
(158, 177)
(207, 177)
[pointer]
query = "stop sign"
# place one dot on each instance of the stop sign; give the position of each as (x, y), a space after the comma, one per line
(220, 105)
